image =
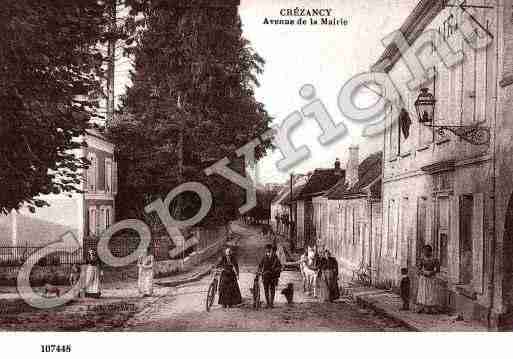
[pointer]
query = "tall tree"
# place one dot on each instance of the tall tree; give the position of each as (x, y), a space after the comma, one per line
(50, 65)
(192, 101)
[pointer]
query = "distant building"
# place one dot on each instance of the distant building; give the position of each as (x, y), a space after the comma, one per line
(273, 187)
(317, 185)
(351, 215)
(281, 205)
(83, 214)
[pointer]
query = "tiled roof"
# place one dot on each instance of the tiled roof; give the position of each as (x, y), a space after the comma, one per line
(411, 31)
(320, 182)
(368, 172)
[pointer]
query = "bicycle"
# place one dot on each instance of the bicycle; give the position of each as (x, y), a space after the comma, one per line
(256, 292)
(213, 288)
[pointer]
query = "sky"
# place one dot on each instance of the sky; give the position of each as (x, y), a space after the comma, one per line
(324, 56)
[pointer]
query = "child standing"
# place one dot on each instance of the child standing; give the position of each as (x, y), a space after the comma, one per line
(405, 289)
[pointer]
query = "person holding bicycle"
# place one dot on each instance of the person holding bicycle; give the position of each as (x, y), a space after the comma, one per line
(270, 269)
(229, 292)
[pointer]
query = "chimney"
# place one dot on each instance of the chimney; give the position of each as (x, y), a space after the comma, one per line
(352, 166)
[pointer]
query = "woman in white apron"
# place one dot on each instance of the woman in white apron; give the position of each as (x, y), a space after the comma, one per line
(93, 275)
(145, 282)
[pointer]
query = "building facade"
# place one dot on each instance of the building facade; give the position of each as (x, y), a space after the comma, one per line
(281, 206)
(439, 188)
(83, 214)
(349, 214)
(310, 204)
(101, 184)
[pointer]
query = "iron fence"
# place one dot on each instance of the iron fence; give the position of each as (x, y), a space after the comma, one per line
(17, 256)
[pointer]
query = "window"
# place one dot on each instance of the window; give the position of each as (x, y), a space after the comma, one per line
(92, 172)
(442, 231)
(108, 217)
(443, 181)
(108, 175)
(105, 217)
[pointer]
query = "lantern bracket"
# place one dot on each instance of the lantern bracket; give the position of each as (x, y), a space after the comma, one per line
(474, 134)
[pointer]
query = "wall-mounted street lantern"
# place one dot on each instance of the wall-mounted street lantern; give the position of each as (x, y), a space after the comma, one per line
(425, 107)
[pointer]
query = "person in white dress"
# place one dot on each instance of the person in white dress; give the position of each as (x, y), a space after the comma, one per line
(145, 282)
(93, 275)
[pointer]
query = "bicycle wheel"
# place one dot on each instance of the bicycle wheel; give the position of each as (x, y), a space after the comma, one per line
(211, 294)
(256, 294)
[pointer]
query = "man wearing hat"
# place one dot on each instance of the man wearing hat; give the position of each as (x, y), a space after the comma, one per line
(270, 268)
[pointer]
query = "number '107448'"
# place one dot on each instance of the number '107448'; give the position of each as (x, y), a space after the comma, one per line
(53, 348)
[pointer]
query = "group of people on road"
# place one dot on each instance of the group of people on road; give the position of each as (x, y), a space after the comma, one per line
(319, 270)
(269, 270)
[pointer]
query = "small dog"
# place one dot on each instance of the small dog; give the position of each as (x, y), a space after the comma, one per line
(288, 292)
(51, 289)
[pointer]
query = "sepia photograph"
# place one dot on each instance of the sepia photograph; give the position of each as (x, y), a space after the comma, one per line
(293, 167)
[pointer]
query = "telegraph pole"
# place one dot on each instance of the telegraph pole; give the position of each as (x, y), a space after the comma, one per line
(111, 61)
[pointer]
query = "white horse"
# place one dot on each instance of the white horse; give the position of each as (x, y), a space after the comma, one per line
(309, 271)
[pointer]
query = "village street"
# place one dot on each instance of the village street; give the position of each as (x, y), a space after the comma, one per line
(183, 308)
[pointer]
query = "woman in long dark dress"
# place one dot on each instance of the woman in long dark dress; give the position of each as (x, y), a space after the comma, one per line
(329, 270)
(229, 292)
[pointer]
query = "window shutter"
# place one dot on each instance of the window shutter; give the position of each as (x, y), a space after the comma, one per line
(92, 221)
(114, 177)
(430, 222)
(454, 236)
(101, 222)
(477, 240)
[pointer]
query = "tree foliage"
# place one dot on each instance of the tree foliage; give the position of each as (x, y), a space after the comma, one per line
(195, 73)
(50, 68)
(262, 210)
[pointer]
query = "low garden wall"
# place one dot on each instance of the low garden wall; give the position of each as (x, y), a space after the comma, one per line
(210, 243)
(169, 267)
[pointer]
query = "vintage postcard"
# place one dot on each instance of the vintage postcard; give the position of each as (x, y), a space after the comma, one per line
(255, 166)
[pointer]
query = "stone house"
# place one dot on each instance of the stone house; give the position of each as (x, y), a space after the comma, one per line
(309, 228)
(438, 188)
(350, 213)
